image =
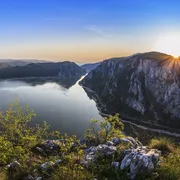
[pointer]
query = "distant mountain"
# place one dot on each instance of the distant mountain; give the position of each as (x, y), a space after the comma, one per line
(143, 87)
(3, 65)
(60, 70)
(91, 66)
(22, 62)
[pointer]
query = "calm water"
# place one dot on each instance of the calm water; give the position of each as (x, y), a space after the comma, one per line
(65, 108)
(64, 105)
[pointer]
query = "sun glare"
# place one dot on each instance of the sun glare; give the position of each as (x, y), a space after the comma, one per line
(169, 44)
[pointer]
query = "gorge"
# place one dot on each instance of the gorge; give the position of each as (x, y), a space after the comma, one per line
(144, 87)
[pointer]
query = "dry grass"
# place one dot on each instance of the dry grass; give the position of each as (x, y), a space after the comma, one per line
(165, 145)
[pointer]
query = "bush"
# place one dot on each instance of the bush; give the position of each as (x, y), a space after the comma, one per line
(102, 131)
(17, 137)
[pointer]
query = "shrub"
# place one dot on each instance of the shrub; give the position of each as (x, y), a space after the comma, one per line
(17, 137)
(102, 131)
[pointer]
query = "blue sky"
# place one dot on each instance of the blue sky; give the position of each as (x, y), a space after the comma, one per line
(86, 30)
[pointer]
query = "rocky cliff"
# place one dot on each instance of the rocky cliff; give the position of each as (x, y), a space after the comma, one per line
(143, 87)
(62, 70)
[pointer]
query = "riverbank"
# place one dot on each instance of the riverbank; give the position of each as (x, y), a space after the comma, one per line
(156, 128)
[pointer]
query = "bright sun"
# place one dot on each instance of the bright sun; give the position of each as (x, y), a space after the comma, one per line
(169, 44)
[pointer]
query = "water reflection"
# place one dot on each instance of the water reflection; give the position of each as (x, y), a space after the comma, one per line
(66, 83)
(65, 106)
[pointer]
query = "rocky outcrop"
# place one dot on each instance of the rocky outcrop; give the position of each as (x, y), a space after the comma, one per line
(142, 87)
(49, 147)
(134, 158)
(137, 159)
(61, 70)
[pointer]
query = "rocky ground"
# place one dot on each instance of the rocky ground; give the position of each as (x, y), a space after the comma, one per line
(135, 157)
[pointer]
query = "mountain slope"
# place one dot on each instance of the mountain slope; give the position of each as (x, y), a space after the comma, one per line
(61, 70)
(144, 87)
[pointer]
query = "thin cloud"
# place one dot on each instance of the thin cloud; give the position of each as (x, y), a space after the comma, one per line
(98, 30)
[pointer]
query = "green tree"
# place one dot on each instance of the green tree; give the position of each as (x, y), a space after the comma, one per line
(17, 136)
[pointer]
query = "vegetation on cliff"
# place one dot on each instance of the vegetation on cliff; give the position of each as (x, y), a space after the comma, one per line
(25, 152)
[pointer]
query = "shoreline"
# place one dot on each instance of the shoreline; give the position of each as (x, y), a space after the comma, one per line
(141, 125)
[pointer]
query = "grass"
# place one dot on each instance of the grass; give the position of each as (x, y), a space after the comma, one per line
(165, 145)
(3, 175)
(169, 168)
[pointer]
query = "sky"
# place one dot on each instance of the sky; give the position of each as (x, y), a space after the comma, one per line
(87, 30)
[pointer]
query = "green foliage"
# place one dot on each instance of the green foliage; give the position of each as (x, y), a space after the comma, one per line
(71, 170)
(102, 169)
(71, 156)
(102, 131)
(17, 137)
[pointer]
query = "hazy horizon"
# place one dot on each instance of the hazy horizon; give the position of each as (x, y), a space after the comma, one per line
(87, 31)
(77, 62)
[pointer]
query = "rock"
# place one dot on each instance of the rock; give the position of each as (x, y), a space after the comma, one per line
(49, 147)
(140, 85)
(29, 177)
(13, 167)
(92, 152)
(47, 165)
(116, 141)
(131, 141)
(137, 158)
(109, 143)
(115, 164)
(40, 150)
(38, 178)
(91, 149)
(140, 160)
(102, 148)
(58, 161)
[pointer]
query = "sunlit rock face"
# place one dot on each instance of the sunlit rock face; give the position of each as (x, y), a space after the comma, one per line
(143, 87)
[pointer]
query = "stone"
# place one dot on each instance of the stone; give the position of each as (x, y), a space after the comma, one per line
(49, 147)
(40, 150)
(38, 178)
(58, 161)
(47, 165)
(14, 165)
(133, 143)
(92, 152)
(109, 143)
(140, 160)
(116, 141)
(115, 164)
(29, 177)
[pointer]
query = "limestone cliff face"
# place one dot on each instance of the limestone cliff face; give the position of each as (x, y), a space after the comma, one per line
(143, 86)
